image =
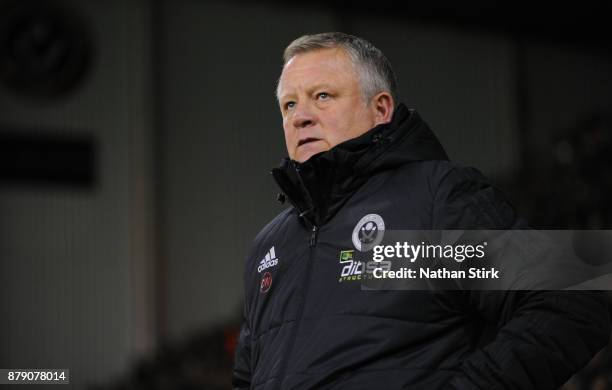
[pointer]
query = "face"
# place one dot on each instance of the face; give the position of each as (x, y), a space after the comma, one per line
(321, 103)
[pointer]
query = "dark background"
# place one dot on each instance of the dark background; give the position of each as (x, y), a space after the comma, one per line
(136, 139)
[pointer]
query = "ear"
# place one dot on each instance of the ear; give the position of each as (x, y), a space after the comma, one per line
(383, 106)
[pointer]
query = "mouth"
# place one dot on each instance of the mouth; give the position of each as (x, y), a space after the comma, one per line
(306, 141)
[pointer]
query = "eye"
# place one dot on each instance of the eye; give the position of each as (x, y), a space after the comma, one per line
(322, 96)
(289, 105)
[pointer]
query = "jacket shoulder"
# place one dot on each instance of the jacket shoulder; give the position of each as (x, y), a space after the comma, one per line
(465, 199)
(461, 196)
(433, 175)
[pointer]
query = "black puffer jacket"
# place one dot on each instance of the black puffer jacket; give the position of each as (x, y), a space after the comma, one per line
(308, 327)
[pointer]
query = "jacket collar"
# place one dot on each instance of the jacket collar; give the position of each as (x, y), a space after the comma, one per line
(319, 187)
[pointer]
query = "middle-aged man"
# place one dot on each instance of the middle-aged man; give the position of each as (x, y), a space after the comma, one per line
(357, 160)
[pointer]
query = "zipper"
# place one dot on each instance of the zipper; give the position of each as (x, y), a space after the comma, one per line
(298, 320)
(313, 236)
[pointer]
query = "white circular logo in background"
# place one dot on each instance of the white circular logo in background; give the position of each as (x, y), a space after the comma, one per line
(368, 232)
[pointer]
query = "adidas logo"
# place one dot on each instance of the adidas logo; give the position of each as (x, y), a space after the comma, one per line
(269, 261)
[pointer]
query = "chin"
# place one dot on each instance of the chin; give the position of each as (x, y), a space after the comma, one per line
(307, 152)
(303, 159)
(306, 156)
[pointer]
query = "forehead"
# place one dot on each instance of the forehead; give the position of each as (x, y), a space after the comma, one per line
(321, 66)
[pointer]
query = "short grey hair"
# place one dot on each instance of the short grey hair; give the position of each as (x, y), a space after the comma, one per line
(372, 67)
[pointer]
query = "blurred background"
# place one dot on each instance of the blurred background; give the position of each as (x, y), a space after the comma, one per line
(136, 139)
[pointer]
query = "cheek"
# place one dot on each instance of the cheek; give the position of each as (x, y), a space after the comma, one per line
(289, 134)
(290, 140)
(354, 123)
(339, 128)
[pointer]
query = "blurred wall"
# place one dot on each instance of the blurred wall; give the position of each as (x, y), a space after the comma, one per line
(566, 84)
(74, 278)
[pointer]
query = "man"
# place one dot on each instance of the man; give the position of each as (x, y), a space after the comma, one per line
(359, 161)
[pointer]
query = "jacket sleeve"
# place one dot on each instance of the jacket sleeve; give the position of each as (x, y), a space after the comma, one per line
(241, 373)
(542, 337)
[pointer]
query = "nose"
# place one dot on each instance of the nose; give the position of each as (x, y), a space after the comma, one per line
(303, 117)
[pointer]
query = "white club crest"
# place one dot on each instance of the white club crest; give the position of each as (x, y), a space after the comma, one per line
(368, 232)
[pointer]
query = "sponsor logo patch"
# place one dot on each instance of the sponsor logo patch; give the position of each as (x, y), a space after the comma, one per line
(351, 268)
